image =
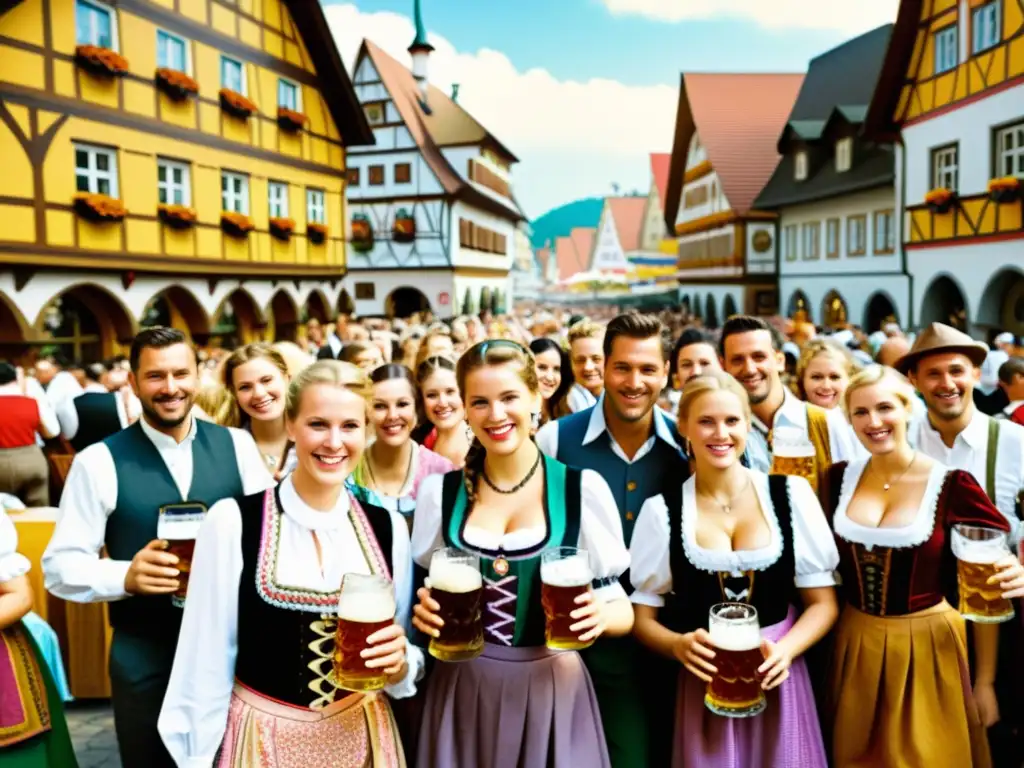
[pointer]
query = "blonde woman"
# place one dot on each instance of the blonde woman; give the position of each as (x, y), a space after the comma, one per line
(437, 342)
(823, 372)
(250, 687)
(735, 534)
(363, 354)
(900, 649)
(586, 356)
(442, 406)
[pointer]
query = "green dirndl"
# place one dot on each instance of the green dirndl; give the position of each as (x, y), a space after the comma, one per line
(33, 731)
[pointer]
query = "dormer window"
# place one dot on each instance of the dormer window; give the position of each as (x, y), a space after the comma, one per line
(800, 165)
(844, 154)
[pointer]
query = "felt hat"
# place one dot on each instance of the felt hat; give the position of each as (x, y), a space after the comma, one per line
(939, 339)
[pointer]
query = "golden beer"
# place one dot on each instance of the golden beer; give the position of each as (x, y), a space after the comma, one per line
(456, 585)
(977, 550)
(183, 549)
(793, 454)
(366, 605)
(565, 574)
(735, 691)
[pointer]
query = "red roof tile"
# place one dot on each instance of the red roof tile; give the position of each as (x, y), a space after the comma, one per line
(628, 213)
(583, 242)
(565, 258)
(659, 169)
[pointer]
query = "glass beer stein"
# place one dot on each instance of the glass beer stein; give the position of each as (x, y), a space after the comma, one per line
(565, 574)
(735, 691)
(977, 550)
(366, 605)
(455, 583)
(793, 454)
(178, 525)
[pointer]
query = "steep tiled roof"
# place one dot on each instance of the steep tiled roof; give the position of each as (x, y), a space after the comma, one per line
(659, 170)
(881, 123)
(565, 258)
(583, 242)
(739, 118)
(628, 213)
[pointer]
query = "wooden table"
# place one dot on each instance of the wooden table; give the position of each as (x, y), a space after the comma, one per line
(83, 628)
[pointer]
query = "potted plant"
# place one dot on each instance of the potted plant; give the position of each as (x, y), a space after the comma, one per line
(236, 224)
(177, 85)
(290, 120)
(176, 216)
(940, 200)
(99, 208)
(236, 105)
(100, 61)
(282, 228)
(404, 229)
(1004, 190)
(362, 233)
(316, 232)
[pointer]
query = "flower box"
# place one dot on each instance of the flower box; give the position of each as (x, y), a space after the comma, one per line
(290, 120)
(316, 232)
(177, 85)
(101, 208)
(100, 61)
(236, 105)
(940, 200)
(362, 233)
(282, 228)
(404, 229)
(236, 224)
(1004, 190)
(176, 216)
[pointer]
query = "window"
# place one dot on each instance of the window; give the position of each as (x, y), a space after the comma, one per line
(832, 239)
(234, 192)
(800, 165)
(478, 238)
(95, 24)
(374, 113)
(403, 173)
(352, 177)
(288, 95)
(790, 233)
(985, 26)
(232, 75)
(172, 52)
(376, 173)
(172, 182)
(696, 196)
(844, 154)
(885, 233)
(947, 43)
(315, 209)
(1010, 151)
(812, 240)
(277, 194)
(484, 176)
(95, 170)
(856, 235)
(945, 168)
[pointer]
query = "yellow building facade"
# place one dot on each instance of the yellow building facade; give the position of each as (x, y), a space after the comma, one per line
(170, 162)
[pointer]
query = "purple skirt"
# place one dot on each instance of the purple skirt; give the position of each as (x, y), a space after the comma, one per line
(512, 707)
(786, 735)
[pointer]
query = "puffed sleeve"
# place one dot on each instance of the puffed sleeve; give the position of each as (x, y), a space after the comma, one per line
(966, 503)
(426, 526)
(814, 544)
(651, 569)
(601, 536)
(12, 565)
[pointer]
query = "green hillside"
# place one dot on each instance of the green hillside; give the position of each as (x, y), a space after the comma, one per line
(558, 222)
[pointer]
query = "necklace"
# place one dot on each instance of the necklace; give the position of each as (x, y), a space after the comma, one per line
(726, 506)
(518, 485)
(373, 478)
(886, 486)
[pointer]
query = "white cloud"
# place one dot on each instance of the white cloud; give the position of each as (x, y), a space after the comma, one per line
(848, 17)
(565, 133)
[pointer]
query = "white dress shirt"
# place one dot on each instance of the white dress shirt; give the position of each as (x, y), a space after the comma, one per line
(12, 565)
(990, 370)
(195, 709)
(63, 386)
(72, 566)
(580, 397)
(67, 414)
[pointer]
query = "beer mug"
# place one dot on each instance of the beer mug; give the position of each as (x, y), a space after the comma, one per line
(565, 574)
(977, 550)
(178, 525)
(366, 605)
(793, 454)
(455, 583)
(735, 691)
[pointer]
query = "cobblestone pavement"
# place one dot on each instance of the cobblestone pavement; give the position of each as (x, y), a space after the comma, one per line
(91, 723)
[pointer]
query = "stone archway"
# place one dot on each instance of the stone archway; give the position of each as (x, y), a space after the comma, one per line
(345, 304)
(13, 328)
(316, 308)
(282, 317)
(729, 307)
(406, 301)
(237, 321)
(1002, 303)
(177, 307)
(879, 311)
(835, 313)
(799, 308)
(85, 323)
(944, 302)
(711, 312)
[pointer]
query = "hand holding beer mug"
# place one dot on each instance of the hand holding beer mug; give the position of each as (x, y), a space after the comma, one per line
(369, 647)
(793, 454)
(735, 689)
(574, 619)
(456, 587)
(981, 554)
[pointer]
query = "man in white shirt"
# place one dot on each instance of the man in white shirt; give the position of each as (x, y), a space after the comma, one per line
(1002, 348)
(586, 354)
(115, 495)
(105, 406)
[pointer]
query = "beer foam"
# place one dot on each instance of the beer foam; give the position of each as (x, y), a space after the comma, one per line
(457, 578)
(570, 572)
(735, 637)
(366, 608)
(971, 553)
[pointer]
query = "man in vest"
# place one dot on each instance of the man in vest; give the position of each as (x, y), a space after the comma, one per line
(113, 499)
(105, 407)
(945, 366)
(635, 447)
(751, 351)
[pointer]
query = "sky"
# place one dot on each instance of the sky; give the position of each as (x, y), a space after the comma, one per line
(582, 91)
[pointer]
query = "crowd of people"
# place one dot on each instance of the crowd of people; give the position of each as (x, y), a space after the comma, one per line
(818, 479)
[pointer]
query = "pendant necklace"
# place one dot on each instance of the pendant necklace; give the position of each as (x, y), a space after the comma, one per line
(886, 486)
(726, 506)
(518, 485)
